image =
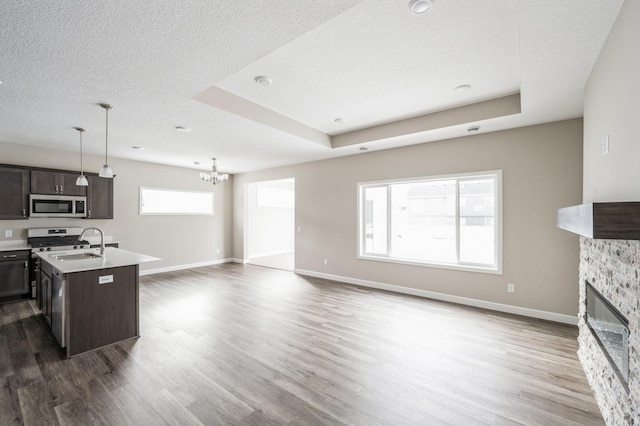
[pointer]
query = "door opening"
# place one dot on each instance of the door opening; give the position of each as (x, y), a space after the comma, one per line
(271, 223)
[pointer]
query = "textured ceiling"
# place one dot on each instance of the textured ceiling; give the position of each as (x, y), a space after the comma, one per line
(389, 74)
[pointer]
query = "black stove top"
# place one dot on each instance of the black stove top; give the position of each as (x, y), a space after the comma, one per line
(61, 238)
(66, 242)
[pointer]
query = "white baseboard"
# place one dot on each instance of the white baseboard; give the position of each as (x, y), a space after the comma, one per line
(517, 310)
(185, 266)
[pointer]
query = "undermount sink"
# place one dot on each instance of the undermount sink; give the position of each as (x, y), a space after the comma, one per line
(79, 256)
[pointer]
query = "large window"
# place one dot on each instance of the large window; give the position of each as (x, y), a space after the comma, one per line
(448, 221)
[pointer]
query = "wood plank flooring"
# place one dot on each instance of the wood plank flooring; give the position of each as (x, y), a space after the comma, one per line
(245, 345)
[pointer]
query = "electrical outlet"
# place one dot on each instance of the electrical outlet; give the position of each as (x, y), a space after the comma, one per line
(218, 251)
(326, 262)
(8, 233)
(299, 228)
(511, 288)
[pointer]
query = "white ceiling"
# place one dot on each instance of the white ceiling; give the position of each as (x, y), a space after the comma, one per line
(389, 74)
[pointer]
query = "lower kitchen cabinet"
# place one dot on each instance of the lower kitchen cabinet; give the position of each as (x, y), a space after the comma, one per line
(102, 308)
(14, 273)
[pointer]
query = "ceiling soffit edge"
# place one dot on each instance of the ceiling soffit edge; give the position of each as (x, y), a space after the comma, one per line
(234, 104)
(471, 113)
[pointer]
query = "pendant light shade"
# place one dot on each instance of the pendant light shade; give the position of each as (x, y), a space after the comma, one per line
(106, 171)
(82, 179)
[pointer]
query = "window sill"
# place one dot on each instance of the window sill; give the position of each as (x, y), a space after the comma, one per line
(451, 266)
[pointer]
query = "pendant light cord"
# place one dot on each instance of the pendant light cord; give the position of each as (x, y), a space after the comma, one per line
(81, 165)
(106, 138)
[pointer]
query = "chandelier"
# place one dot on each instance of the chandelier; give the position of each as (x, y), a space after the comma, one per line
(214, 177)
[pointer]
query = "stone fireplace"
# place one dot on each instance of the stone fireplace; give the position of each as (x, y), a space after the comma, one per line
(610, 262)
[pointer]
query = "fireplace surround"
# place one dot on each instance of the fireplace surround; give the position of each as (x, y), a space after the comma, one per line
(610, 263)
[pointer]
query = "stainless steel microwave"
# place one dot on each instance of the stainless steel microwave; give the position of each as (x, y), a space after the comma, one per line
(41, 205)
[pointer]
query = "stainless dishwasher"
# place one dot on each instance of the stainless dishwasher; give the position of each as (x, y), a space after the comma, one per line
(44, 280)
(58, 314)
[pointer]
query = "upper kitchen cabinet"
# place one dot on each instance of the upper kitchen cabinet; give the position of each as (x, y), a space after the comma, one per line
(55, 183)
(14, 192)
(99, 197)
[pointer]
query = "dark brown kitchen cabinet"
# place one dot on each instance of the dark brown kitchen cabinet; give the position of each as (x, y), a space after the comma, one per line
(102, 308)
(55, 183)
(14, 273)
(99, 198)
(14, 192)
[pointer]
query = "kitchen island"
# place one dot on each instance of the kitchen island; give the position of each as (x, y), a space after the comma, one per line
(91, 299)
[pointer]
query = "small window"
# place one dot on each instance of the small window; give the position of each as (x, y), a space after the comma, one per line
(448, 221)
(158, 201)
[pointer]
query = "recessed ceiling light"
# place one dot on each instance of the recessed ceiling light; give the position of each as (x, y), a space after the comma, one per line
(463, 88)
(340, 120)
(363, 148)
(418, 7)
(182, 129)
(196, 163)
(473, 129)
(139, 148)
(264, 80)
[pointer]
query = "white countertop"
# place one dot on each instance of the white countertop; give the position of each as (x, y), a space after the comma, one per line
(14, 245)
(113, 258)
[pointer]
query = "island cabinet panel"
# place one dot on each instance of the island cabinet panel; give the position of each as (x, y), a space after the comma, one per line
(14, 191)
(102, 308)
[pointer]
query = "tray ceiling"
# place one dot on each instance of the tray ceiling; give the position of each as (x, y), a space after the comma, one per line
(389, 75)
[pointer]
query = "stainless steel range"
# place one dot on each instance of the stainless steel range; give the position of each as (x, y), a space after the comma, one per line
(50, 239)
(55, 239)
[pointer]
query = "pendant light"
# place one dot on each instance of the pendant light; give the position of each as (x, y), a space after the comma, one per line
(106, 171)
(82, 179)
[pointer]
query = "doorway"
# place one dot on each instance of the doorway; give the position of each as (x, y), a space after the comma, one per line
(271, 223)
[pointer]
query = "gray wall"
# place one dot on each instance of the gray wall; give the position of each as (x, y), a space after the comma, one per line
(612, 97)
(178, 240)
(542, 171)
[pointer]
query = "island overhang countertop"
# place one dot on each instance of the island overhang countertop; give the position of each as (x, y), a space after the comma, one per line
(112, 258)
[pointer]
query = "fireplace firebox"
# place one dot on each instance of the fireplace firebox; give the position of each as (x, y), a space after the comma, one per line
(611, 330)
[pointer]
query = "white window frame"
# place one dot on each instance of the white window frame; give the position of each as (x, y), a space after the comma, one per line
(496, 268)
(176, 212)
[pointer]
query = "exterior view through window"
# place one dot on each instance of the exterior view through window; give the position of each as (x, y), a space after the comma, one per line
(448, 221)
(161, 201)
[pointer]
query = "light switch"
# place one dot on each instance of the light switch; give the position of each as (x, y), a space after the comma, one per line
(605, 145)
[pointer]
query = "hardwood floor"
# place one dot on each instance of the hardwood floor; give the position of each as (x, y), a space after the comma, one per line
(284, 261)
(245, 345)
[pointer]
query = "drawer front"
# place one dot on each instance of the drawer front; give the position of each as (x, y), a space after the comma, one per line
(14, 255)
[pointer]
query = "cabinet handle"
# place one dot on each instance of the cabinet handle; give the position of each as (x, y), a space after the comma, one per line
(89, 213)
(56, 189)
(13, 256)
(61, 189)
(24, 213)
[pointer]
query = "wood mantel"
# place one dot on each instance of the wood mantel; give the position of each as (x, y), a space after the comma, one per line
(611, 221)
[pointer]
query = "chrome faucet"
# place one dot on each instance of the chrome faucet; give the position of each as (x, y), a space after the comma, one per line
(101, 238)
